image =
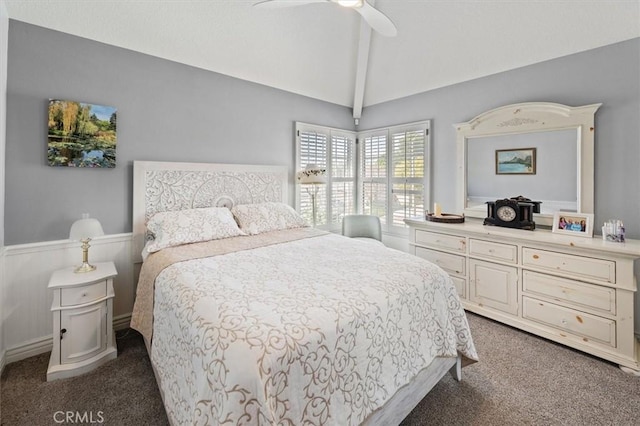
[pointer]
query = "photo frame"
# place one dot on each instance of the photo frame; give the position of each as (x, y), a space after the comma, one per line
(576, 224)
(516, 161)
(81, 134)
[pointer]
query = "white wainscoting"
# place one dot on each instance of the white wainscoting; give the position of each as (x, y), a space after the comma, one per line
(28, 322)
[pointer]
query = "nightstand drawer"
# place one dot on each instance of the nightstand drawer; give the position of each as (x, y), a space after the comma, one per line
(588, 327)
(85, 294)
(577, 266)
(497, 251)
(574, 292)
(441, 241)
(449, 262)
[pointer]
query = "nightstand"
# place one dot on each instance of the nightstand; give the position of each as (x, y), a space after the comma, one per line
(82, 320)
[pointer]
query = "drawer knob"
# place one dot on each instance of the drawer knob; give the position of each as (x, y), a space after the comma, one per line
(564, 321)
(84, 294)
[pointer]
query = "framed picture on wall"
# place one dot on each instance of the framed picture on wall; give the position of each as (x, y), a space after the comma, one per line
(576, 224)
(521, 161)
(81, 135)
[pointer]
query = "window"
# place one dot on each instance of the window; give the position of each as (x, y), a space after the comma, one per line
(393, 172)
(334, 150)
(391, 182)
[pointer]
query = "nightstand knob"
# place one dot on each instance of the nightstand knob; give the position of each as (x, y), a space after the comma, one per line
(64, 330)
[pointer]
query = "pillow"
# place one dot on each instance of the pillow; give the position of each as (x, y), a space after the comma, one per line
(264, 217)
(174, 228)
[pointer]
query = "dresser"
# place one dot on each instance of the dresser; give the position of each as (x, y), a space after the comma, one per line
(572, 290)
(82, 320)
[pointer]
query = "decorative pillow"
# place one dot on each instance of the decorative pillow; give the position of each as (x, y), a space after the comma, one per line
(264, 217)
(174, 228)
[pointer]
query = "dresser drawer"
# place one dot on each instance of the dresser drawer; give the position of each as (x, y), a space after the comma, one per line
(441, 241)
(461, 286)
(449, 262)
(583, 295)
(577, 266)
(586, 326)
(85, 294)
(497, 251)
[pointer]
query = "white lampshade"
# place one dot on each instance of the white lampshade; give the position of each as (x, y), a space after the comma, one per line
(85, 228)
(312, 174)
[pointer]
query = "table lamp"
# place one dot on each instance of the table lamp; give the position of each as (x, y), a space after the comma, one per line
(84, 230)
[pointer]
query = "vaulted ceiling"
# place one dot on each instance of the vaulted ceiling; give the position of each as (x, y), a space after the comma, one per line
(313, 50)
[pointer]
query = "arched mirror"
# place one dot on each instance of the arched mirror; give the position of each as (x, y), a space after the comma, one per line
(542, 151)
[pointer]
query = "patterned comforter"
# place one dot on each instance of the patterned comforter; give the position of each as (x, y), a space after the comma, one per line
(319, 330)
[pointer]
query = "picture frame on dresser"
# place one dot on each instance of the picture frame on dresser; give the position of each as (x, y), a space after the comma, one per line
(575, 224)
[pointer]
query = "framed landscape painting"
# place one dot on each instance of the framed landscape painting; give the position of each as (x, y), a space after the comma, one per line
(521, 161)
(81, 135)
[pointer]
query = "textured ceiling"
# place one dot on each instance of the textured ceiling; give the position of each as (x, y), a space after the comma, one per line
(312, 50)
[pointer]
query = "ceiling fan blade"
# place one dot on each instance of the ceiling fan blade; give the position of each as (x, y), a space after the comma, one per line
(276, 4)
(377, 20)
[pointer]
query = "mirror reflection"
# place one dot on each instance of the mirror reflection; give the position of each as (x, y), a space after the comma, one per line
(554, 181)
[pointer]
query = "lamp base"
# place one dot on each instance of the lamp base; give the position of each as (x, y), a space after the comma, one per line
(85, 267)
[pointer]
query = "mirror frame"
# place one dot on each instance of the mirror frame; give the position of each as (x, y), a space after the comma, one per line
(528, 118)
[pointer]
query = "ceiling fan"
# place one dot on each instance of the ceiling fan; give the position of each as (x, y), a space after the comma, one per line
(376, 19)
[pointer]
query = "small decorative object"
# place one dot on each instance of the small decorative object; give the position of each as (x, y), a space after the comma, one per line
(437, 210)
(84, 230)
(515, 212)
(311, 177)
(613, 230)
(81, 135)
(576, 224)
(445, 218)
(520, 161)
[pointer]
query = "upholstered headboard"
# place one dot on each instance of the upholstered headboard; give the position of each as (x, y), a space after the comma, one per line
(167, 186)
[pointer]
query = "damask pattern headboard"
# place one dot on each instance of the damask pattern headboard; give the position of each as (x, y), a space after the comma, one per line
(168, 186)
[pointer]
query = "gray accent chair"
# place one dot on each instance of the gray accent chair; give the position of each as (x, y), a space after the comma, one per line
(362, 226)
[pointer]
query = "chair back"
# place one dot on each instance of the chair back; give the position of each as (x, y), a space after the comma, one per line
(362, 225)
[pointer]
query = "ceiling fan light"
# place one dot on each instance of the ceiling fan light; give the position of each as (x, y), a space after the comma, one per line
(350, 3)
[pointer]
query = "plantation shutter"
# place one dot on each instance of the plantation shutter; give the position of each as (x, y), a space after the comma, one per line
(335, 151)
(374, 175)
(408, 172)
(393, 170)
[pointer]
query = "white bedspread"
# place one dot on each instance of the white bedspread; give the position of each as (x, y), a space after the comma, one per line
(321, 330)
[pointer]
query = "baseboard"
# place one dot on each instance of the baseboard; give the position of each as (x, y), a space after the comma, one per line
(45, 344)
(121, 322)
(29, 349)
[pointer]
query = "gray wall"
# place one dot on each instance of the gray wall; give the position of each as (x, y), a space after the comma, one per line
(609, 75)
(166, 112)
(170, 111)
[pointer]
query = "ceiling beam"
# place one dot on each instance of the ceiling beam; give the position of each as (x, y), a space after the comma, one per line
(364, 46)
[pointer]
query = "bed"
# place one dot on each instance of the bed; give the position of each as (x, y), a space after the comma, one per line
(282, 323)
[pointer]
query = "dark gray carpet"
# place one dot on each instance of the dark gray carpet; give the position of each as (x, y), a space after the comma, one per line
(520, 380)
